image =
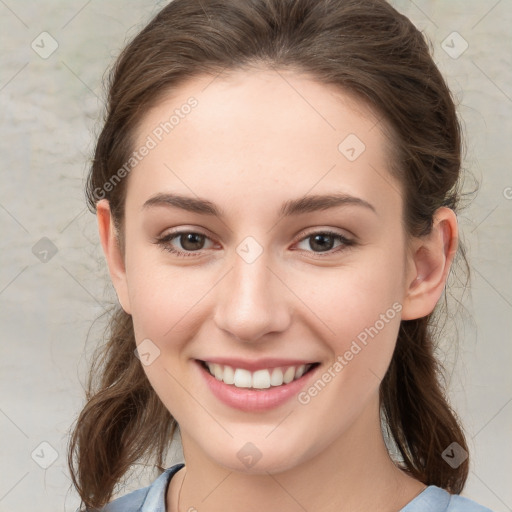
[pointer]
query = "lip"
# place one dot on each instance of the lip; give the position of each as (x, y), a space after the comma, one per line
(254, 400)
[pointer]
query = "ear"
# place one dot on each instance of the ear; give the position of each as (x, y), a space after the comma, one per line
(111, 247)
(429, 262)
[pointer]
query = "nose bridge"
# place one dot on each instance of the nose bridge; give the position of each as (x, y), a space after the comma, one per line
(250, 303)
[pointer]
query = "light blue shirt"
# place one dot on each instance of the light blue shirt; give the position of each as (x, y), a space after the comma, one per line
(152, 499)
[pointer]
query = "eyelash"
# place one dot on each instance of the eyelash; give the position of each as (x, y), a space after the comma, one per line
(164, 243)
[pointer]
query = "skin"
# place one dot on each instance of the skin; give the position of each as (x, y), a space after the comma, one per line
(257, 139)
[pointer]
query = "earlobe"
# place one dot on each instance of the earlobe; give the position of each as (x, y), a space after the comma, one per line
(431, 259)
(111, 248)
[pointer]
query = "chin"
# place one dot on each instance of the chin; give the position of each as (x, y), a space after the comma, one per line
(249, 459)
(264, 466)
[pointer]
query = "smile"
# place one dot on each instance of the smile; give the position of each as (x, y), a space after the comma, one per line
(259, 379)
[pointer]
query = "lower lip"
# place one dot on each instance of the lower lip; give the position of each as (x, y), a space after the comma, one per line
(252, 400)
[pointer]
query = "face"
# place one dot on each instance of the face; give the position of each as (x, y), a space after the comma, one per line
(236, 259)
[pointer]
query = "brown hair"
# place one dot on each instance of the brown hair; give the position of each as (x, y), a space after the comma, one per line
(364, 47)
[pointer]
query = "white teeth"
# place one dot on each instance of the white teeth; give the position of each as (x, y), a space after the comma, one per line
(277, 377)
(260, 379)
(289, 375)
(217, 371)
(229, 375)
(299, 372)
(243, 378)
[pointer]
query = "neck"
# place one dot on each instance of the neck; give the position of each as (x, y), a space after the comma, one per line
(353, 474)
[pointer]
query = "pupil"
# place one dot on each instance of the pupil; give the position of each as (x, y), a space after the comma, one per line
(320, 240)
(190, 241)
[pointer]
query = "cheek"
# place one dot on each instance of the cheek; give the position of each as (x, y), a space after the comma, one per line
(168, 305)
(360, 307)
(163, 297)
(350, 299)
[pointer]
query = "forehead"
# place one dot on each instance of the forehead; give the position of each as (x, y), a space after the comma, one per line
(261, 134)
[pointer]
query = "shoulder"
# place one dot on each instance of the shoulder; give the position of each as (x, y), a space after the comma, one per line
(131, 502)
(151, 497)
(460, 504)
(435, 499)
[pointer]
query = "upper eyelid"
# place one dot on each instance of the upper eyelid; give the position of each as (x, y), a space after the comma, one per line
(182, 231)
(174, 234)
(304, 234)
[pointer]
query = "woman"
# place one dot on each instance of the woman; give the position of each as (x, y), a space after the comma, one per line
(276, 185)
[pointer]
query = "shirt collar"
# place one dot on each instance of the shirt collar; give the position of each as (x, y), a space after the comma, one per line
(156, 496)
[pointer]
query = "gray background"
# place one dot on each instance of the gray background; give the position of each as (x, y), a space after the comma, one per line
(49, 115)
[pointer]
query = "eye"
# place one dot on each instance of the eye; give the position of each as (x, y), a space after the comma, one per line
(191, 242)
(324, 241)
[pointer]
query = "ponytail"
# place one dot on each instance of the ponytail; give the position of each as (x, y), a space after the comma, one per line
(122, 419)
(418, 416)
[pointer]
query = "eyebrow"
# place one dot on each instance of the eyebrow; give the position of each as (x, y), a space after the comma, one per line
(305, 204)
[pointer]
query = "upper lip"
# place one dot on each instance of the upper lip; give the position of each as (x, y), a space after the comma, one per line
(260, 364)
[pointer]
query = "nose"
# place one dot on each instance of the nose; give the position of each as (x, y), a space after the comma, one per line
(252, 302)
